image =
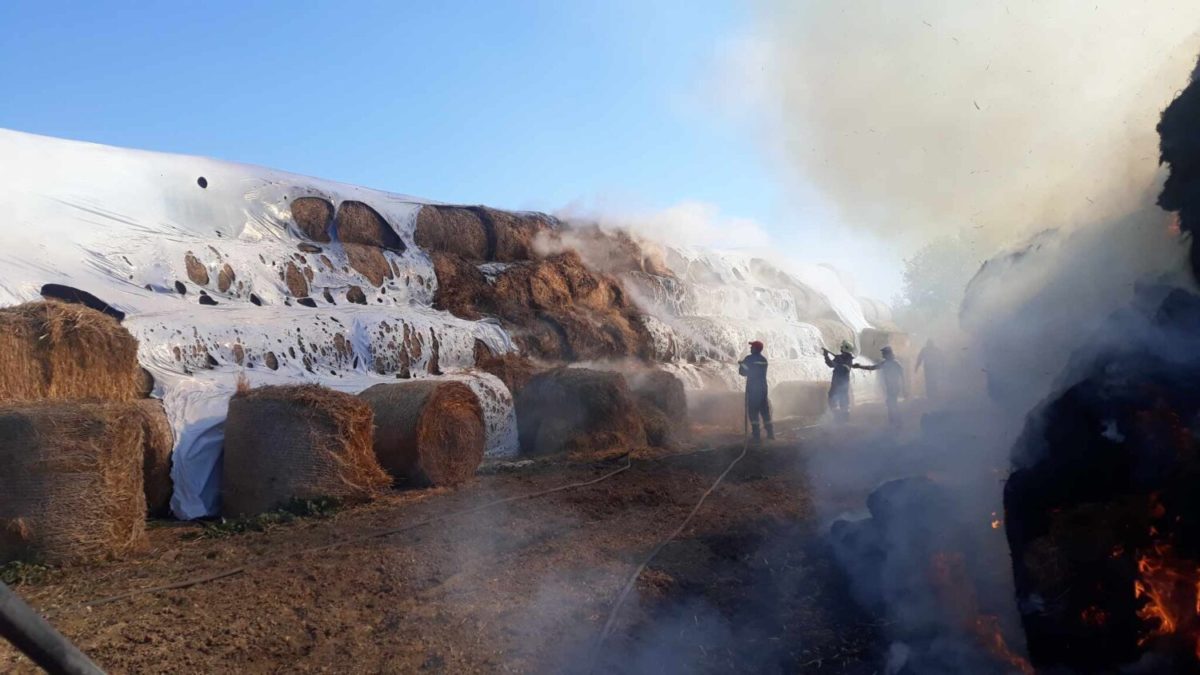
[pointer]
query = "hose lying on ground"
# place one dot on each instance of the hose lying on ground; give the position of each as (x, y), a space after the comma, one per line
(616, 609)
(262, 562)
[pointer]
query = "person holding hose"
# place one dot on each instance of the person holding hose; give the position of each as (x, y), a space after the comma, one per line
(754, 369)
(893, 383)
(839, 386)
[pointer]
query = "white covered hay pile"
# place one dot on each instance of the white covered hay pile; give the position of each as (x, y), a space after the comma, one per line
(60, 351)
(427, 432)
(297, 442)
(578, 410)
(71, 484)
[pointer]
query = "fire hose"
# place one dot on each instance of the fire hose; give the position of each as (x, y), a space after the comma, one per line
(34, 636)
(262, 562)
(637, 572)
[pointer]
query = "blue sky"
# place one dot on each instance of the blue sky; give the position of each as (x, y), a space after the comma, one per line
(536, 104)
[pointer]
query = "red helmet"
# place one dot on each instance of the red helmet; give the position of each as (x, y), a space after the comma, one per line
(756, 346)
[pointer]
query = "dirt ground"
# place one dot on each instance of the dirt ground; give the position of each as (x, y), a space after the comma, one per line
(525, 586)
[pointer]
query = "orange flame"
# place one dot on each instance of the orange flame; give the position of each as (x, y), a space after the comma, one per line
(1170, 589)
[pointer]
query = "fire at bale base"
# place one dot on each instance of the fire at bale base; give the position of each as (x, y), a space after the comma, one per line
(297, 442)
(577, 410)
(427, 432)
(71, 489)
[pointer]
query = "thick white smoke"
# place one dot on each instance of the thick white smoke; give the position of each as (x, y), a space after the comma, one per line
(928, 116)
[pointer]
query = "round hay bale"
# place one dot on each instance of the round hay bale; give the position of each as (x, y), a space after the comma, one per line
(358, 223)
(196, 270)
(55, 350)
(577, 409)
(71, 483)
(427, 432)
(158, 441)
(355, 294)
(461, 289)
(514, 233)
(370, 262)
(456, 230)
(313, 216)
(297, 442)
(295, 280)
(662, 402)
(225, 278)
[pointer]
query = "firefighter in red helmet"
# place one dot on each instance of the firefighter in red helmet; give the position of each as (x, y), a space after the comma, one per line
(754, 369)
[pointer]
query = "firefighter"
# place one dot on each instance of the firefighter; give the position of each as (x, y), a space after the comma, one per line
(893, 383)
(839, 386)
(754, 369)
(932, 358)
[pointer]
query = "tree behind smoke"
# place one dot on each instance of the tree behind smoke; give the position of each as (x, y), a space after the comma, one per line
(916, 118)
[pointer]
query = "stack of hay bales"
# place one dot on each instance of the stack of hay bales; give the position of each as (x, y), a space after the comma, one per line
(578, 410)
(72, 435)
(662, 403)
(297, 442)
(427, 432)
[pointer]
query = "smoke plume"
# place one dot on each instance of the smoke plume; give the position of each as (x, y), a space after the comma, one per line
(925, 117)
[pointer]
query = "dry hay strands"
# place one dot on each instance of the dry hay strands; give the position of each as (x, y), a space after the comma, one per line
(662, 402)
(479, 234)
(313, 216)
(55, 350)
(456, 230)
(577, 410)
(513, 369)
(297, 442)
(158, 443)
(427, 432)
(71, 487)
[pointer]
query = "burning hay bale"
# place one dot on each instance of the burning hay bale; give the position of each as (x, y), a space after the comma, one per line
(577, 409)
(297, 442)
(157, 443)
(556, 307)
(71, 487)
(54, 350)
(427, 432)
(662, 403)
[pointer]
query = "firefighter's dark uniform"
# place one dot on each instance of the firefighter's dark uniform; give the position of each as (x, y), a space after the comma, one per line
(754, 369)
(839, 387)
